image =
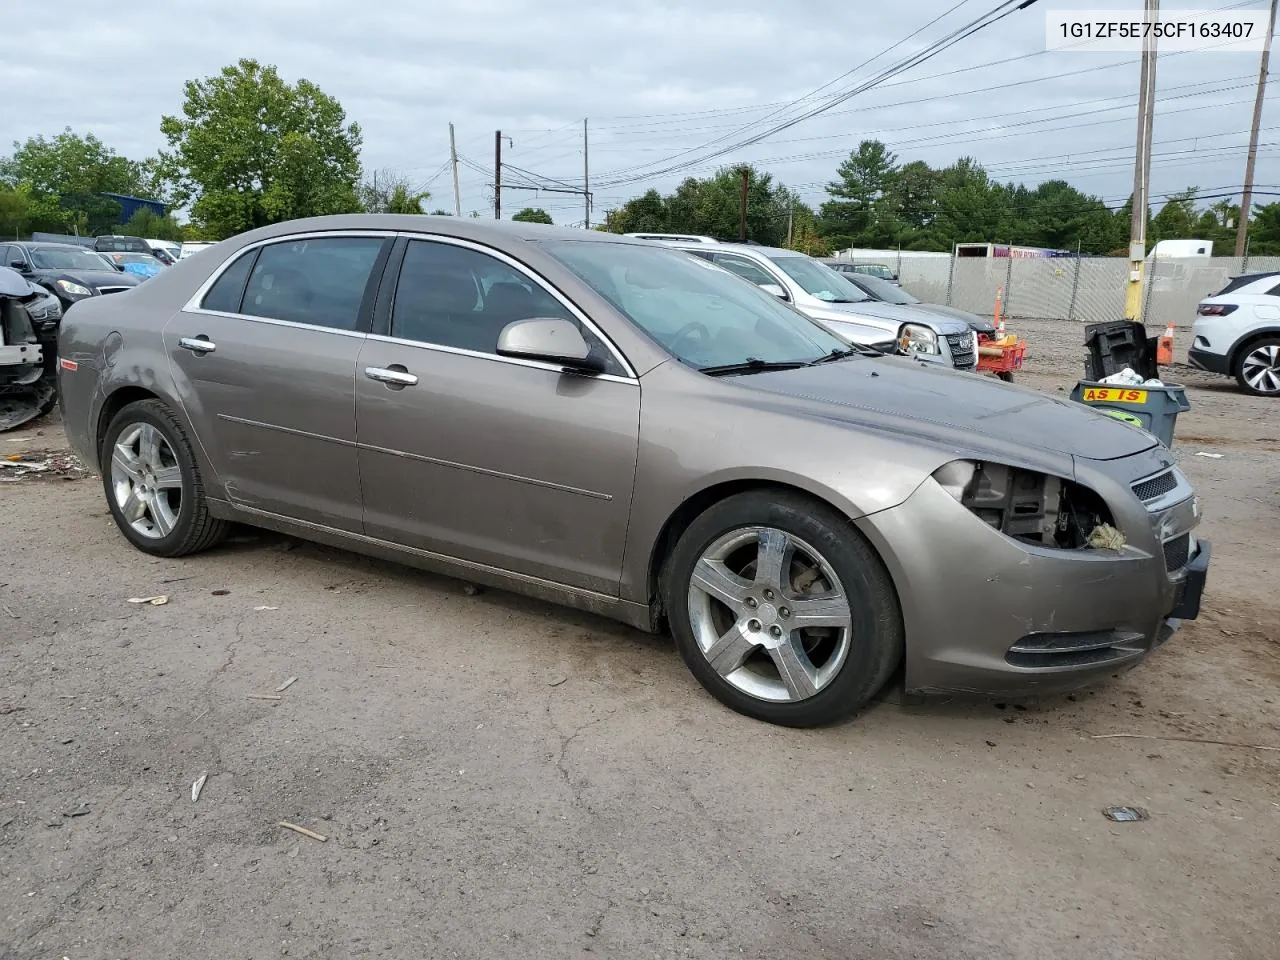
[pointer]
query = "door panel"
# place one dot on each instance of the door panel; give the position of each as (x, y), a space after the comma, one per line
(512, 465)
(274, 408)
(505, 462)
(266, 367)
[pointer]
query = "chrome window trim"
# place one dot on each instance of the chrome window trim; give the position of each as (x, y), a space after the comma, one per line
(481, 355)
(523, 269)
(193, 303)
(272, 321)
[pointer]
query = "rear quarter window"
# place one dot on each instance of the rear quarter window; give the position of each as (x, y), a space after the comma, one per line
(228, 290)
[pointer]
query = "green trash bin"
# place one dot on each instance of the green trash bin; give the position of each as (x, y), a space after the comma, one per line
(1156, 409)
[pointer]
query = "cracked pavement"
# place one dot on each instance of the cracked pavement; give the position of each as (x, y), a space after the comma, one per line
(477, 807)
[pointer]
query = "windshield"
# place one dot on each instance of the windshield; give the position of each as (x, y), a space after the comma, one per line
(884, 290)
(700, 313)
(819, 280)
(50, 259)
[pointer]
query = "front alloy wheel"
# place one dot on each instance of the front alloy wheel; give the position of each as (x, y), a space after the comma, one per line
(769, 614)
(782, 609)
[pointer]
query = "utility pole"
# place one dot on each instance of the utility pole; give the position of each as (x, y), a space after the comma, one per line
(1142, 169)
(497, 174)
(453, 158)
(1246, 201)
(586, 180)
(742, 205)
(791, 217)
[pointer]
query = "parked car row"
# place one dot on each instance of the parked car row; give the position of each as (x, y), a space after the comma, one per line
(619, 426)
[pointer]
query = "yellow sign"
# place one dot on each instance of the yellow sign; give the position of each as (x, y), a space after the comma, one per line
(1114, 395)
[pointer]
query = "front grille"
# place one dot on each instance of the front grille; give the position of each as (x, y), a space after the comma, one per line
(106, 290)
(1177, 552)
(1156, 486)
(962, 354)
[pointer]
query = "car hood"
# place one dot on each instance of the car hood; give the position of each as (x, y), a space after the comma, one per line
(895, 313)
(90, 278)
(957, 409)
(975, 322)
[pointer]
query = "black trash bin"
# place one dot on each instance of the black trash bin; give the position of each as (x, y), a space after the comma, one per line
(1119, 344)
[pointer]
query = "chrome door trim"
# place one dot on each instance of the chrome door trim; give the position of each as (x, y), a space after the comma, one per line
(196, 345)
(481, 355)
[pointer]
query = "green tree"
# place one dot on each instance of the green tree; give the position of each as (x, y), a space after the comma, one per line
(148, 224)
(533, 215)
(15, 211)
(251, 149)
(66, 177)
(1264, 230)
(1177, 219)
(645, 214)
(858, 209)
(389, 192)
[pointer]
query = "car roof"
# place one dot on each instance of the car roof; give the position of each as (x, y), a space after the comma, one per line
(41, 245)
(767, 252)
(466, 228)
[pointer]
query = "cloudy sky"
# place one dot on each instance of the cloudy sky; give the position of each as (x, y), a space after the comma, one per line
(657, 80)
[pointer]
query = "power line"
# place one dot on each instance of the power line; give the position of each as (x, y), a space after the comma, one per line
(993, 16)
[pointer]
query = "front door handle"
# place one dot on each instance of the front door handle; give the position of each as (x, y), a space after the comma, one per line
(198, 344)
(391, 376)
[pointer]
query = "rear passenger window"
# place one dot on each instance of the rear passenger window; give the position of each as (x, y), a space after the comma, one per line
(319, 281)
(228, 290)
(1274, 291)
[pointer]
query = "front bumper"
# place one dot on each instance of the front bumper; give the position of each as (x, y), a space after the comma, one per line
(987, 614)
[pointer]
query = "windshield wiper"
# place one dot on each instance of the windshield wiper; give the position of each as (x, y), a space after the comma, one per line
(751, 365)
(836, 354)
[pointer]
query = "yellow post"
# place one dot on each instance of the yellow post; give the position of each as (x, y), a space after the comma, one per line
(1133, 289)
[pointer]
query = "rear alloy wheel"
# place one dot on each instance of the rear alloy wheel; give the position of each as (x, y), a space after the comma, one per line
(1258, 369)
(782, 610)
(153, 485)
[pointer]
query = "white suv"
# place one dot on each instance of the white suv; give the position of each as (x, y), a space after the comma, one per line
(1237, 333)
(823, 295)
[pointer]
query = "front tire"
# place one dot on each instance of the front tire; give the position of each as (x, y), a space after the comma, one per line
(782, 610)
(153, 484)
(1258, 368)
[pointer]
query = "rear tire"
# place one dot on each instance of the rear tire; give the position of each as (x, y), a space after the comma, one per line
(153, 484)
(744, 578)
(1258, 368)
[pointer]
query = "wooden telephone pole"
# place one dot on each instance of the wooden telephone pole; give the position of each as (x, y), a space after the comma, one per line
(1142, 170)
(1246, 201)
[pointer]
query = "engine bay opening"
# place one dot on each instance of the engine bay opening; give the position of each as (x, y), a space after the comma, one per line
(1026, 505)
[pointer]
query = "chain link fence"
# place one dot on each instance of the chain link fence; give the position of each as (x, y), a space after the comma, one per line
(1085, 289)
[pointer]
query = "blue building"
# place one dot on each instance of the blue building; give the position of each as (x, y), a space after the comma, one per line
(131, 205)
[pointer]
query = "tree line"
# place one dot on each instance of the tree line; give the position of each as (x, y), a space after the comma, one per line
(876, 201)
(250, 149)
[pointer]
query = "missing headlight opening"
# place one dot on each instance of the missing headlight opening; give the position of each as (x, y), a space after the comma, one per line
(1026, 505)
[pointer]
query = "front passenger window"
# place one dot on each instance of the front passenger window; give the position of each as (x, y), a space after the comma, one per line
(458, 297)
(745, 269)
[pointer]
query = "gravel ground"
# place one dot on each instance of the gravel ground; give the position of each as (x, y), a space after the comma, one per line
(500, 778)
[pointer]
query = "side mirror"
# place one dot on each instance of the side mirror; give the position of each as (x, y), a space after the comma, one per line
(776, 290)
(549, 339)
(19, 265)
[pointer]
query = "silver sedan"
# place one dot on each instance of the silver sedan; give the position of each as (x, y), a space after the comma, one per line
(616, 426)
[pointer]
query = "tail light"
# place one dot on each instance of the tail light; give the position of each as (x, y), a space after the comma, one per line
(1215, 309)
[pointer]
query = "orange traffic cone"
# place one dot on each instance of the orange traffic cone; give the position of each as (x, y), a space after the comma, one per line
(1164, 346)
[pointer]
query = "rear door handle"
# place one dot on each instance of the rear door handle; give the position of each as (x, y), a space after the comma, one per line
(198, 344)
(398, 378)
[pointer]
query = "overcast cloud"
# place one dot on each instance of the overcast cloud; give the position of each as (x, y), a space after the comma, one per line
(654, 78)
